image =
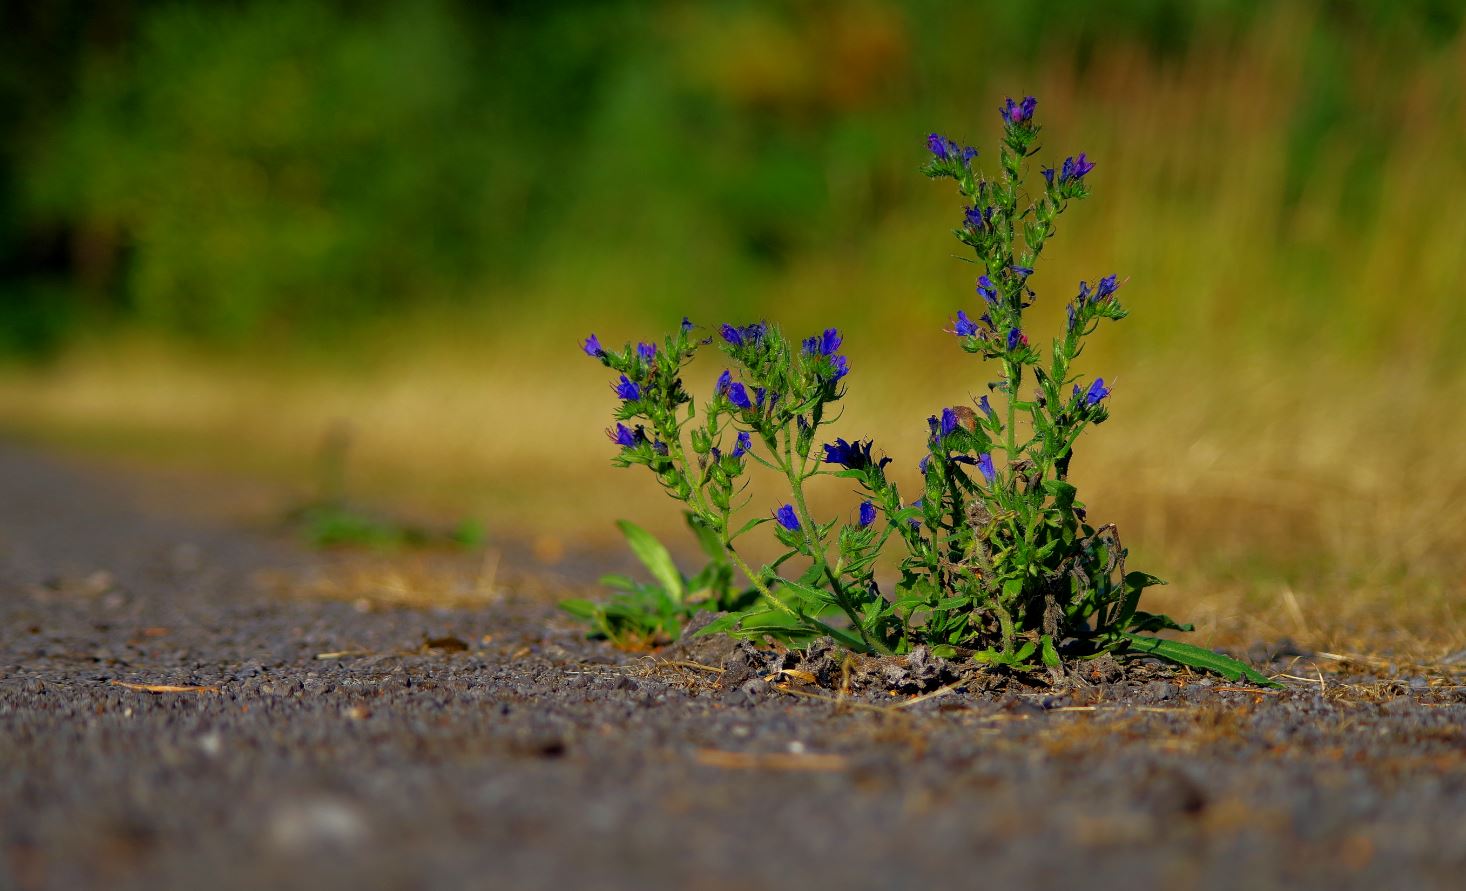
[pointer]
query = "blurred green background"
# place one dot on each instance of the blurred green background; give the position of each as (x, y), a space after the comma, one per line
(222, 171)
(225, 227)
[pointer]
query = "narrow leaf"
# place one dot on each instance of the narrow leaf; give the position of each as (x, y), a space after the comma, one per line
(655, 557)
(1197, 657)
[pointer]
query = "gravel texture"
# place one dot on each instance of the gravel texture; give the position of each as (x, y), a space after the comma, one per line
(327, 745)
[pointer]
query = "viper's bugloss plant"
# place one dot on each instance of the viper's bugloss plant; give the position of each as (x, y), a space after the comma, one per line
(1001, 562)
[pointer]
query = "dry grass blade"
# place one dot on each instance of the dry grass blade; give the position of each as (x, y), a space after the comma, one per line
(770, 761)
(166, 688)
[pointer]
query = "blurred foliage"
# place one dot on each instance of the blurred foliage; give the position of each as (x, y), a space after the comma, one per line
(265, 168)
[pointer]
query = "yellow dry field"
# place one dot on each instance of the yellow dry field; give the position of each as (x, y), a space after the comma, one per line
(1311, 502)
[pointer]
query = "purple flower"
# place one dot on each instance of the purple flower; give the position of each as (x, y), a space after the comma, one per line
(742, 445)
(963, 326)
(686, 324)
(949, 422)
(987, 407)
(923, 464)
(1072, 316)
(592, 347)
(916, 521)
(968, 154)
(853, 455)
(985, 466)
(627, 389)
(1074, 169)
(1019, 113)
(622, 436)
(725, 380)
(823, 345)
(940, 146)
(1107, 286)
(1096, 392)
(1015, 338)
(744, 336)
(867, 513)
(976, 217)
(787, 518)
(841, 366)
(738, 395)
(646, 351)
(987, 289)
(1048, 173)
(1022, 270)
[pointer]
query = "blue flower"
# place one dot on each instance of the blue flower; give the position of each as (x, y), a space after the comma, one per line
(646, 351)
(977, 218)
(987, 289)
(592, 347)
(985, 466)
(1096, 392)
(941, 147)
(1074, 169)
(1015, 338)
(738, 395)
(987, 407)
(841, 366)
(853, 455)
(1107, 286)
(787, 518)
(923, 464)
(744, 336)
(1072, 315)
(1048, 173)
(867, 513)
(742, 445)
(949, 422)
(1022, 270)
(622, 436)
(963, 326)
(725, 380)
(627, 389)
(1018, 113)
(967, 155)
(686, 324)
(823, 345)
(916, 521)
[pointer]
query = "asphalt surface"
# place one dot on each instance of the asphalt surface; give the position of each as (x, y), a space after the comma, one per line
(320, 744)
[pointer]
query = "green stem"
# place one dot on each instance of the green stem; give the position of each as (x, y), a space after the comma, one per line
(817, 545)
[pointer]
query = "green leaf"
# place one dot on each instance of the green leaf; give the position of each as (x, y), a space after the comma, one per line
(707, 537)
(619, 582)
(1062, 492)
(585, 610)
(655, 557)
(719, 625)
(1135, 582)
(1144, 621)
(755, 522)
(1197, 657)
(953, 603)
(1050, 654)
